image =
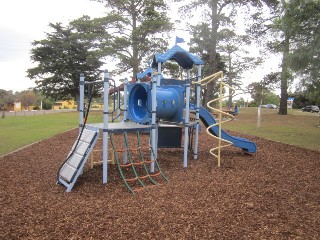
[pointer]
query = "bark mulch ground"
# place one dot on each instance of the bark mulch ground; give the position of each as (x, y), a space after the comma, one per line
(273, 194)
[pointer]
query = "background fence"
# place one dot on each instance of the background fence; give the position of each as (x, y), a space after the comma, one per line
(35, 112)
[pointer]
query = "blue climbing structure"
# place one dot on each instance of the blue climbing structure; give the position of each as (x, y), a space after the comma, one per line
(161, 107)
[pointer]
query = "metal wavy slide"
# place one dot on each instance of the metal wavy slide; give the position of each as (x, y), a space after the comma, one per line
(207, 119)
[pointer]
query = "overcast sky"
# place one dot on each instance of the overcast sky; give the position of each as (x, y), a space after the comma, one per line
(23, 21)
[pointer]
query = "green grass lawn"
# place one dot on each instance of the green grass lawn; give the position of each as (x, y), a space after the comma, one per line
(296, 128)
(17, 132)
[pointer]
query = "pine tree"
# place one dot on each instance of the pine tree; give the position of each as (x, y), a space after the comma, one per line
(62, 56)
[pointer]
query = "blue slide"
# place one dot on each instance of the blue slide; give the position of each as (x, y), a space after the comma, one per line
(207, 119)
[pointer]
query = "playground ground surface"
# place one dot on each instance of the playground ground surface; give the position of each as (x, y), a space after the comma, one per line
(273, 194)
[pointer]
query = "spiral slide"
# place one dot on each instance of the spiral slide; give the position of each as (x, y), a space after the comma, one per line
(207, 119)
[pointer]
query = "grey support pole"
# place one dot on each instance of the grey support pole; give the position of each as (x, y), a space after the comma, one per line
(196, 139)
(159, 74)
(81, 101)
(125, 99)
(118, 103)
(156, 126)
(125, 114)
(186, 121)
(153, 121)
(105, 127)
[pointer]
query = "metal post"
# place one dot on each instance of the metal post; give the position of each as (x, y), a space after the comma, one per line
(159, 74)
(196, 139)
(186, 121)
(125, 114)
(153, 121)
(125, 99)
(81, 101)
(118, 103)
(105, 126)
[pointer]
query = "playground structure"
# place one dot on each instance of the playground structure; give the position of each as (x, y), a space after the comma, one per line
(162, 108)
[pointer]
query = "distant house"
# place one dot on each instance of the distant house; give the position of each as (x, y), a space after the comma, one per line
(67, 104)
(16, 107)
(97, 106)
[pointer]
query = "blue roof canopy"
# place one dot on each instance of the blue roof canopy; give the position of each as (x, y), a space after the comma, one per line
(148, 71)
(185, 59)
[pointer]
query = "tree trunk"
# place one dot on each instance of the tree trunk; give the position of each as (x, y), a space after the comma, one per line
(204, 99)
(284, 77)
(135, 63)
(213, 51)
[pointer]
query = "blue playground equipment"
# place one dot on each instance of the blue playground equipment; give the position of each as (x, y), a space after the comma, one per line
(170, 103)
(160, 107)
(207, 119)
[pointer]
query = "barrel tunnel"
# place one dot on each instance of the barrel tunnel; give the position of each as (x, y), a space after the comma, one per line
(169, 106)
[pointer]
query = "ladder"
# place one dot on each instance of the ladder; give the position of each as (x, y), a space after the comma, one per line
(72, 167)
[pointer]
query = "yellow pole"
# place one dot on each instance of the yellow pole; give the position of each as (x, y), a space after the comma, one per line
(206, 81)
(220, 121)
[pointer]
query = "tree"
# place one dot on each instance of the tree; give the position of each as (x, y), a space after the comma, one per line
(263, 91)
(258, 92)
(63, 55)
(171, 68)
(233, 48)
(6, 98)
(42, 100)
(241, 102)
(302, 21)
(284, 48)
(27, 98)
(136, 31)
(271, 34)
(200, 45)
(308, 96)
(294, 25)
(271, 98)
(216, 14)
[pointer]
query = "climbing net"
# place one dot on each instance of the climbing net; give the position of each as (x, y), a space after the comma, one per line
(134, 168)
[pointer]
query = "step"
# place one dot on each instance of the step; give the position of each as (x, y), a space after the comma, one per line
(87, 135)
(81, 148)
(67, 172)
(75, 160)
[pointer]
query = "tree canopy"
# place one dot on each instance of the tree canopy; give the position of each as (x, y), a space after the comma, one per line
(132, 31)
(63, 55)
(293, 31)
(27, 98)
(219, 19)
(303, 21)
(136, 31)
(6, 98)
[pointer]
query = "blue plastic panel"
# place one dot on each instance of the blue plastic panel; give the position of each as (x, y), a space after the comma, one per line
(170, 103)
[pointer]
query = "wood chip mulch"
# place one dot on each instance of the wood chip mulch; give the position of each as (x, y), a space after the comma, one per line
(273, 194)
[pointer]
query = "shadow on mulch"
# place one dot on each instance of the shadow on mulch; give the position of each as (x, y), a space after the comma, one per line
(273, 194)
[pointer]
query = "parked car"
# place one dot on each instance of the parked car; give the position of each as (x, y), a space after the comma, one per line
(270, 106)
(310, 108)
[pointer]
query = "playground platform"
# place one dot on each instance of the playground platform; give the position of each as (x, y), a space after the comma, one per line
(123, 126)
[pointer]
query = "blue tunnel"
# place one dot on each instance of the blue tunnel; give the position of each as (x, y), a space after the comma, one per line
(170, 103)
